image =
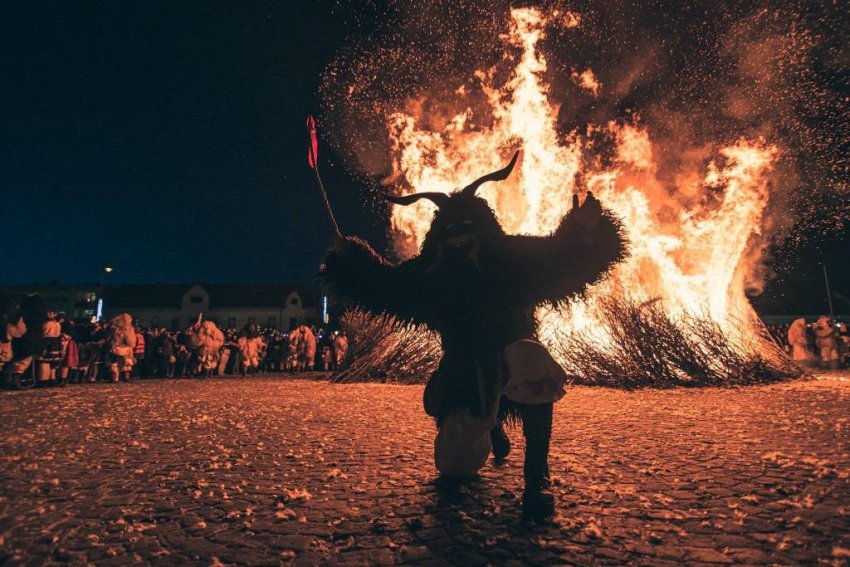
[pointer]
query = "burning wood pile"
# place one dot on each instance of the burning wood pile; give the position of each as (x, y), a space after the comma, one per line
(648, 349)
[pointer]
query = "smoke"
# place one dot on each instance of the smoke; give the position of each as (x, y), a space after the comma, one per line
(697, 75)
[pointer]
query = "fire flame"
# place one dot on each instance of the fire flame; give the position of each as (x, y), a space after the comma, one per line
(689, 245)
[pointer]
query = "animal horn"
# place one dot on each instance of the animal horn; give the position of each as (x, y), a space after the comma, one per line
(498, 175)
(438, 199)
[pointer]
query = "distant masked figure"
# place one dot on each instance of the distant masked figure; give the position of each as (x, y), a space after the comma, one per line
(293, 347)
(121, 342)
(207, 340)
(799, 342)
(826, 340)
(249, 342)
(307, 348)
(340, 348)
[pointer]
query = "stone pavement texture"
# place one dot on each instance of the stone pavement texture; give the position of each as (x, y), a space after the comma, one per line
(271, 470)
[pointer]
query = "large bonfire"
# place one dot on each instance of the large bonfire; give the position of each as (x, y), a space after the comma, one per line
(674, 313)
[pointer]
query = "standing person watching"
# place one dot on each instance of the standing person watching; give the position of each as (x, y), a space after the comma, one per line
(68, 367)
(139, 353)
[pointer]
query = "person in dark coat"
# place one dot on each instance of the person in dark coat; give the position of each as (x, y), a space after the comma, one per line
(29, 346)
(12, 326)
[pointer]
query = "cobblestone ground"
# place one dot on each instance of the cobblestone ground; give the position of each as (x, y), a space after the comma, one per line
(266, 470)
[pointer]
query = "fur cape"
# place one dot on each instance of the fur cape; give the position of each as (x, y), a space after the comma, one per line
(121, 335)
(477, 286)
(798, 341)
(207, 338)
(826, 338)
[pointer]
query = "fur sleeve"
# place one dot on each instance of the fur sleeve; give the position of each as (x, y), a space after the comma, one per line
(554, 268)
(374, 283)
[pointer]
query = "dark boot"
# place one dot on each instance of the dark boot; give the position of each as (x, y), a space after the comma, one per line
(20, 382)
(537, 500)
(501, 443)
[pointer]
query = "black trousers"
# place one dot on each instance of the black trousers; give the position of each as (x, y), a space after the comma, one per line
(537, 430)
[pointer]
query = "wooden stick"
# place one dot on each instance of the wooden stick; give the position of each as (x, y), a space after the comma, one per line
(328, 210)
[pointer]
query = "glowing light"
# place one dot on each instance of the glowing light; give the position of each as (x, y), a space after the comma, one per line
(586, 80)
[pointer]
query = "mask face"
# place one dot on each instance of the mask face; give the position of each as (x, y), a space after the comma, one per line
(459, 224)
(459, 230)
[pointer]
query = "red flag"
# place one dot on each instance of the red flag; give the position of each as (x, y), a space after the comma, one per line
(313, 148)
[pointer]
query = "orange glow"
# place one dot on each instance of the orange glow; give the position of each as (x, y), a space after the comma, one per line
(690, 253)
(586, 80)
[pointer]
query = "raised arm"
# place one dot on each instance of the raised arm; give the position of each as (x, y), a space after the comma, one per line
(583, 249)
(355, 270)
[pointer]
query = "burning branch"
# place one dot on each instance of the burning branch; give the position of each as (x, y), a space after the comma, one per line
(649, 348)
(385, 350)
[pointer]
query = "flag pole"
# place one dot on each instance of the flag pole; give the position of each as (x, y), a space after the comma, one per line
(828, 294)
(313, 160)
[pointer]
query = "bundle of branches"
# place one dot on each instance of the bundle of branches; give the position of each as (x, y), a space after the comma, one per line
(650, 348)
(381, 348)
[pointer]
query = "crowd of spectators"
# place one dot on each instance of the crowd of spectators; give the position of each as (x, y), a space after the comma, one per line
(42, 348)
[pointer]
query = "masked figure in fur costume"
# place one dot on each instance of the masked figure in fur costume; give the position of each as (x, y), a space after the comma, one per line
(249, 348)
(121, 338)
(799, 343)
(478, 288)
(207, 339)
(826, 340)
(306, 348)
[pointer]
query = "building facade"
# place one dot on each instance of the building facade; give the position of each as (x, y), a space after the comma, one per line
(175, 306)
(75, 301)
(277, 306)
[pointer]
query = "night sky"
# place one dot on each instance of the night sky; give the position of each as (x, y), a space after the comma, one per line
(167, 139)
